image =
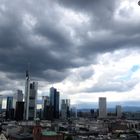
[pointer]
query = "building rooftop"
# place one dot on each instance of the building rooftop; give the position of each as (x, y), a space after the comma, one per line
(48, 133)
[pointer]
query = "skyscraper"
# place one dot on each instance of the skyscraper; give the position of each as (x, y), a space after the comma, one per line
(46, 101)
(102, 107)
(45, 105)
(27, 92)
(65, 108)
(1, 99)
(68, 107)
(19, 110)
(17, 97)
(9, 108)
(119, 111)
(48, 110)
(32, 100)
(54, 101)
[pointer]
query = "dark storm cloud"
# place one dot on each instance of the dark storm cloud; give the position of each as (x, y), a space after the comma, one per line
(101, 12)
(7, 84)
(97, 7)
(31, 32)
(117, 34)
(109, 44)
(17, 49)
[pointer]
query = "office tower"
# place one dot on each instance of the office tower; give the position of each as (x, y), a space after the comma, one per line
(119, 111)
(46, 101)
(9, 103)
(1, 99)
(65, 108)
(54, 101)
(17, 97)
(75, 112)
(49, 113)
(27, 92)
(102, 107)
(68, 107)
(9, 108)
(45, 106)
(32, 100)
(19, 111)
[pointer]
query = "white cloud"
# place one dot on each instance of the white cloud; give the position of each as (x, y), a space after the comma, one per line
(112, 72)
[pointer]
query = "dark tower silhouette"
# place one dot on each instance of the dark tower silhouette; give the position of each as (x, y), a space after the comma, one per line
(54, 102)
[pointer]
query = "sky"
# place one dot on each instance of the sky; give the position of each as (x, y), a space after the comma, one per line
(85, 48)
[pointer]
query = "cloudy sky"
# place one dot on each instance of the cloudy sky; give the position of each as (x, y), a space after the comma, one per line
(85, 48)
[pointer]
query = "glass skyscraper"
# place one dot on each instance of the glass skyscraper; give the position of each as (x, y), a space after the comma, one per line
(54, 101)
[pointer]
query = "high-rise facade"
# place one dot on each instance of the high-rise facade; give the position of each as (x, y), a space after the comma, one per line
(9, 108)
(65, 108)
(19, 110)
(68, 107)
(46, 101)
(30, 98)
(9, 103)
(45, 106)
(17, 97)
(119, 111)
(1, 99)
(27, 92)
(102, 107)
(54, 101)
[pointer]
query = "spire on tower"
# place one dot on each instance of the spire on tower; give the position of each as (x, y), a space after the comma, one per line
(27, 71)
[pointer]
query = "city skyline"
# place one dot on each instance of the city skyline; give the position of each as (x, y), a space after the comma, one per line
(85, 49)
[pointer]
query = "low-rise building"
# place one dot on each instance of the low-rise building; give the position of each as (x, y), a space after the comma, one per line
(50, 135)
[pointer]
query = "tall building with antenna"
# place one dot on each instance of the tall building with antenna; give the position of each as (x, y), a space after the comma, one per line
(27, 92)
(30, 98)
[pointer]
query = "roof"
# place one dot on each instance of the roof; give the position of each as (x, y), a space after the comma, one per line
(48, 133)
